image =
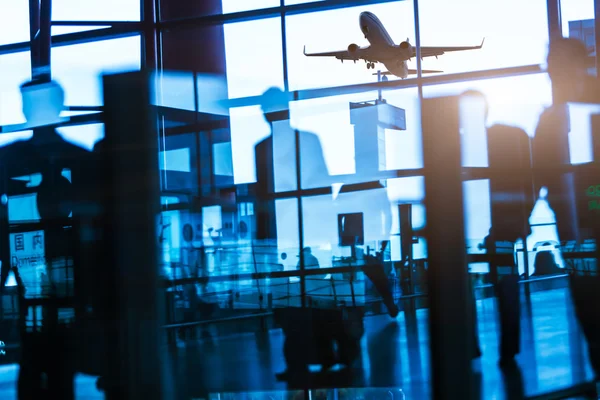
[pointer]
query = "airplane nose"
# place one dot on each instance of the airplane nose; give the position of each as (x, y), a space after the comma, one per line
(364, 25)
(362, 19)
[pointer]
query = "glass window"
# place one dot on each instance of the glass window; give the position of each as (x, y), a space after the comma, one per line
(358, 137)
(578, 21)
(577, 18)
(176, 9)
(230, 6)
(248, 127)
(14, 21)
(15, 69)
(254, 61)
(96, 10)
(511, 38)
(85, 136)
(516, 101)
(291, 2)
(62, 30)
(79, 68)
(336, 30)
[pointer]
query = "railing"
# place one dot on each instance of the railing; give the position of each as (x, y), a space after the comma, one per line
(265, 312)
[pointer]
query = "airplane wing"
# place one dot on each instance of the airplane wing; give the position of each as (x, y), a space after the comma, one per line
(359, 53)
(427, 51)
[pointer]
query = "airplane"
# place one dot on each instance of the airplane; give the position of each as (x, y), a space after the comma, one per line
(382, 49)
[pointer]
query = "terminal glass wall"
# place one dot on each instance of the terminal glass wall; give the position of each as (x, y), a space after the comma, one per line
(347, 162)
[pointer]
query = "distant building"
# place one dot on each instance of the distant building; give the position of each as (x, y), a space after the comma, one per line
(584, 31)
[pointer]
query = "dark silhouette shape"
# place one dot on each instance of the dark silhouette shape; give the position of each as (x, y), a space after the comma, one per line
(310, 261)
(48, 355)
(511, 204)
(545, 264)
(568, 62)
(275, 107)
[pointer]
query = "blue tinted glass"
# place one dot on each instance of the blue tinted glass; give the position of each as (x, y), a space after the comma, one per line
(512, 38)
(254, 61)
(96, 10)
(14, 21)
(14, 70)
(78, 68)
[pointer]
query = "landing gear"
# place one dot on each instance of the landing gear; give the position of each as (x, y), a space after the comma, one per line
(370, 65)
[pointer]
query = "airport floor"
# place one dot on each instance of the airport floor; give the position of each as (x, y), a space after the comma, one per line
(395, 358)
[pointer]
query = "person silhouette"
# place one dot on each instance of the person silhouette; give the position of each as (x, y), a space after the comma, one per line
(62, 167)
(511, 199)
(282, 139)
(567, 68)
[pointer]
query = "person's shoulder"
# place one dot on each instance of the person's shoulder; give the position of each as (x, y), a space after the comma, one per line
(503, 129)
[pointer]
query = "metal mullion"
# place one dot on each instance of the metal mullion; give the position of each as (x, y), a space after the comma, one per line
(286, 85)
(306, 94)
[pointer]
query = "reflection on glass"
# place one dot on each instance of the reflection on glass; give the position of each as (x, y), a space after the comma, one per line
(577, 19)
(79, 68)
(254, 60)
(177, 9)
(96, 10)
(15, 69)
(14, 22)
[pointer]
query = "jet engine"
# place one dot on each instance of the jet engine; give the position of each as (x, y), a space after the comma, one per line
(406, 50)
(352, 48)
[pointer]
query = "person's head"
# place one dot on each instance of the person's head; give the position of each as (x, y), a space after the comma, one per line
(42, 101)
(477, 97)
(273, 101)
(567, 67)
(307, 250)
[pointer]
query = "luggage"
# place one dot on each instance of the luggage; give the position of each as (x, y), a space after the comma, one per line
(311, 333)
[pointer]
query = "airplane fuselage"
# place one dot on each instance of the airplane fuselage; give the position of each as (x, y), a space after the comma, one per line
(383, 49)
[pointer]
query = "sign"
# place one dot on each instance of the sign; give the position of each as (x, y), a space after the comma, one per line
(593, 195)
(27, 254)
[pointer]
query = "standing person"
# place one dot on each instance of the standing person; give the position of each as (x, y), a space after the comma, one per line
(281, 145)
(511, 198)
(48, 354)
(567, 68)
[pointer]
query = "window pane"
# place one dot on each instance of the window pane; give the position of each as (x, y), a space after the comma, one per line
(175, 9)
(78, 68)
(96, 10)
(290, 2)
(343, 28)
(14, 21)
(516, 101)
(62, 30)
(15, 69)
(511, 38)
(254, 61)
(85, 136)
(577, 18)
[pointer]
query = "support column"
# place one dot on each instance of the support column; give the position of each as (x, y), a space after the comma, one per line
(131, 212)
(40, 14)
(450, 314)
